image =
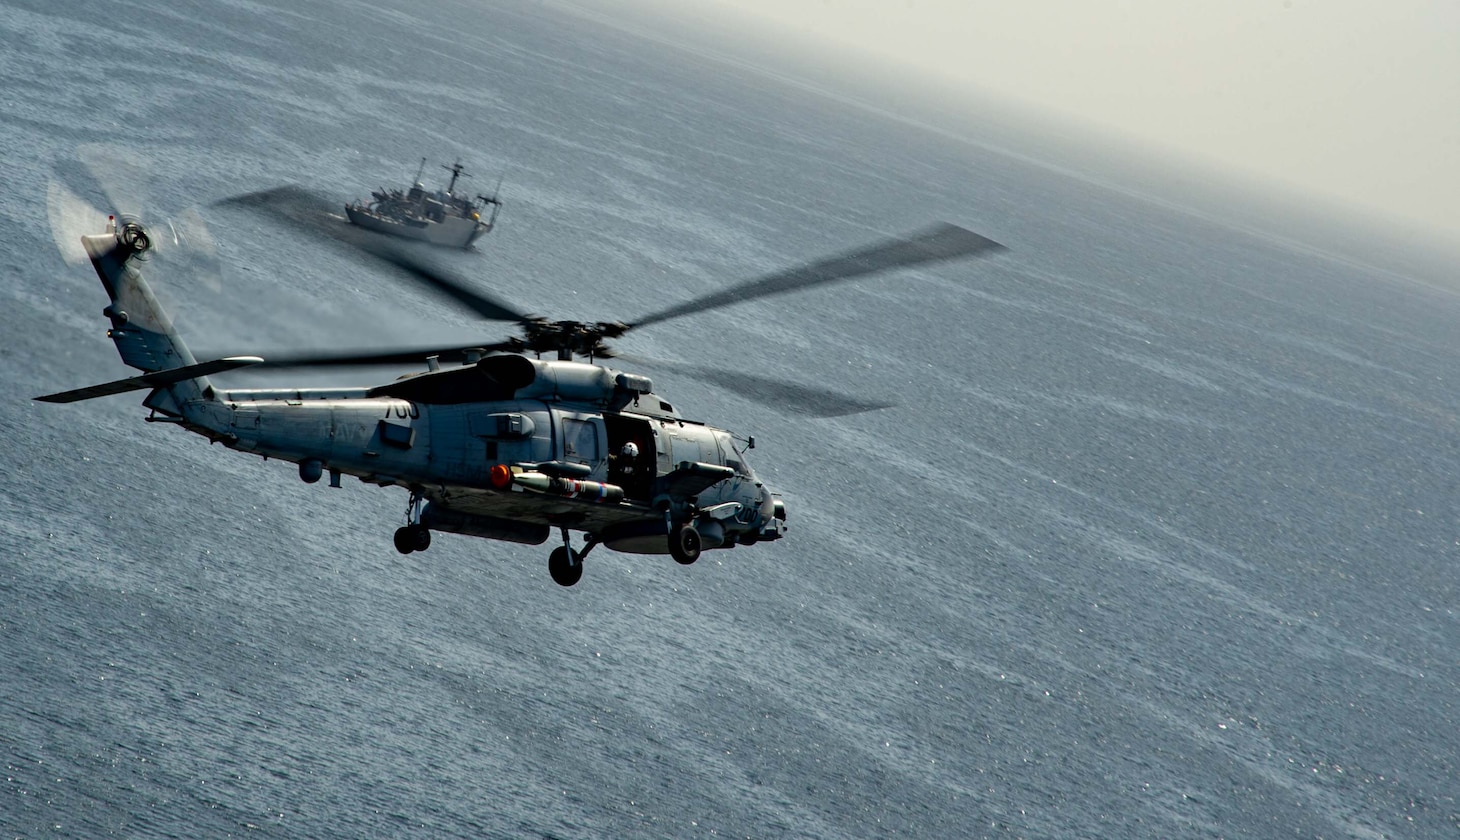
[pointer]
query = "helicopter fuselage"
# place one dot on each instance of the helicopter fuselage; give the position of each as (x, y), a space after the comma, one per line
(446, 453)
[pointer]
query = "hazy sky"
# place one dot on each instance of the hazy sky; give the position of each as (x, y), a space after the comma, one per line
(1357, 100)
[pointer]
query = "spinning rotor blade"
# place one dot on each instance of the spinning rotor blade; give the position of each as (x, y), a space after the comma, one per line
(125, 178)
(123, 175)
(365, 358)
(450, 287)
(941, 242)
(297, 206)
(777, 393)
(317, 215)
(71, 218)
(788, 396)
(188, 248)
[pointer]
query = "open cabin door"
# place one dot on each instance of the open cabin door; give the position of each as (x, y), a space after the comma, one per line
(634, 474)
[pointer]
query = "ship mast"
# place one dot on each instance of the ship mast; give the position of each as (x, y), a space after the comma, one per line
(456, 170)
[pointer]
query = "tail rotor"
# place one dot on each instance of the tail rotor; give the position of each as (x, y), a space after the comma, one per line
(179, 236)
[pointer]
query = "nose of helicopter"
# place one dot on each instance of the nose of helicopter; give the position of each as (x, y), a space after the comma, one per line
(773, 518)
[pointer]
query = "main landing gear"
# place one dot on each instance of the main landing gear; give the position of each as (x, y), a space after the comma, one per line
(684, 543)
(565, 564)
(413, 536)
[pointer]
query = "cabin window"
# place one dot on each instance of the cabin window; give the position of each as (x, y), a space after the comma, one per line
(580, 440)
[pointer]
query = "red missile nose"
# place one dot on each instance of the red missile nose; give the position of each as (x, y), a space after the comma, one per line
(500, 476)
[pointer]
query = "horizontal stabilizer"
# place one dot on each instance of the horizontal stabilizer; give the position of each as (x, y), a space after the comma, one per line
(156, 379)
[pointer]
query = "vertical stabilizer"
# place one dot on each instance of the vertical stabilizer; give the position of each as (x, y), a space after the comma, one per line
(141, 330)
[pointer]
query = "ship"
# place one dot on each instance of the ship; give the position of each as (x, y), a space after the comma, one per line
(440, 218)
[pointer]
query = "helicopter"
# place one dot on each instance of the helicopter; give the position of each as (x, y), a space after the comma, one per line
(491, 440)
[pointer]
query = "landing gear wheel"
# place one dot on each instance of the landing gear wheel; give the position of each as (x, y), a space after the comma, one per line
(565, 566)
(412, 538)
(684, 544)
(405, 540)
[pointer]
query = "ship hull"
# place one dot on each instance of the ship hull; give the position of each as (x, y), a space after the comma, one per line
(452, 232)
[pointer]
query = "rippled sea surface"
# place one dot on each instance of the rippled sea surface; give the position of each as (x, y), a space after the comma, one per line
(1160, 539)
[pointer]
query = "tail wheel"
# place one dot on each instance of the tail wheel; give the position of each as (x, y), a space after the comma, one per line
(565, 566)
(684, 544)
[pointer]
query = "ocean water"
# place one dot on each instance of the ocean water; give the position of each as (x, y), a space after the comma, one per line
(1159, 539)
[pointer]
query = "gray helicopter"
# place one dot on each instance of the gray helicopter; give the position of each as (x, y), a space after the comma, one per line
(491, 440)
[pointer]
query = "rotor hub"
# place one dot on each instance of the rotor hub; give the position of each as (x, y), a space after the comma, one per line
(568, 338)
(133, 236)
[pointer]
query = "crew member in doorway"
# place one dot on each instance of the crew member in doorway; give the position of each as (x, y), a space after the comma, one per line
(626, 459)
(627, 469)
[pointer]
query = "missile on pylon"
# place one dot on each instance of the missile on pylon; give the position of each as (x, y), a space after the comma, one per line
(569, 488)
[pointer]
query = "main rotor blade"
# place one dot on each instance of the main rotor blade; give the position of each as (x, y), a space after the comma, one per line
(364, 358)
(941, 242)
(777, 393)
(317, 215)
(788, 396)
(449, 286)
(301, 208)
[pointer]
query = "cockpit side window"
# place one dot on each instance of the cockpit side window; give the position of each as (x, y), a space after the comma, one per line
(734, 458)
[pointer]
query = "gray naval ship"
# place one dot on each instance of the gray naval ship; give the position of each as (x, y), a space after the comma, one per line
(440, 218)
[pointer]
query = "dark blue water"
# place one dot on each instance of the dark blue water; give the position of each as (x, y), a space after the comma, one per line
(1159, 541)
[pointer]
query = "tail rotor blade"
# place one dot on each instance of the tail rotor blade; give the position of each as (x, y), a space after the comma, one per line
(71, 217)
(190, 250)
(122, 175)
